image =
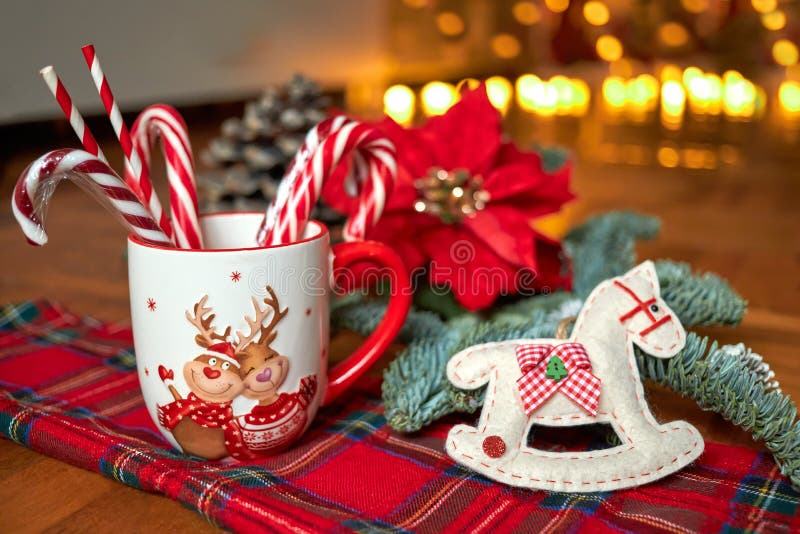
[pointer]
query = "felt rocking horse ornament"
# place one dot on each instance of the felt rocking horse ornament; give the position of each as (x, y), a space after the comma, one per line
(589, 378)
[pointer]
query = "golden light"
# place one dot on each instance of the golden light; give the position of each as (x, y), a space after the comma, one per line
(784, 52)
(526, 90)
(582, 95)
(764, 6)
(670, 73)
(499, 91)
(467, 84)
(437, 97)
(774, 20)
(596, 12)
(566, 94)
(673, 34)
(526, 13)
(642, 93)
(738, 95)
(416, 4)
(399, 102)
(690, 74)
(621, 67)
(557, 6)
(695, 6)
(546, 99)
(614, 91)
(505, 46)
(673, 98)
(608, 48)
(667, 156)
(715, 93)
(789, 96)
(450, 24)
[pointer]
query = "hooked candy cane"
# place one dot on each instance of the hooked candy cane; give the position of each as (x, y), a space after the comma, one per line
(163, 121)
(375, 169)
(37, 183)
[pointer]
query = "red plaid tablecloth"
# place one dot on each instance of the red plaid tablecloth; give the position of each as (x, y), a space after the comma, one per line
(69, 390)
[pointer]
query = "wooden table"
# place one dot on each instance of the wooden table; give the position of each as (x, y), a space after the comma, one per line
(740, 221)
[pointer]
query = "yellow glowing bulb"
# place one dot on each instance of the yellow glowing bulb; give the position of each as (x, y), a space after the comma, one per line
(774, 21)
(580, 98)
(690, 74)
(789, 96)
(416, 4)
(399, 102)
(673, 34)
(764, 6)
(738, 96)
(450, 24)
(715, 93)
(596, 12)
(667, 156)
(437, 97)
(505, 46)
(608, 48)
(673, 98)
(695, 6)
(557, 6)
(526, 86)
(670, 72)
(614, 91)
(499, 91)
(784, 52)
(526, 13)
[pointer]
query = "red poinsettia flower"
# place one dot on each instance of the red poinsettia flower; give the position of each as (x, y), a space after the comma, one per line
(463, 204)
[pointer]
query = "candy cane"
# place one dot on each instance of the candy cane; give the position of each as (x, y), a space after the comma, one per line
(37, 183)
(293, 173)
(139, 180)
(71, 112)
(165, 122)
(374, 185)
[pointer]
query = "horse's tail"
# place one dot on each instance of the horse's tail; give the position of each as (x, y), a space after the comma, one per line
(469, 369)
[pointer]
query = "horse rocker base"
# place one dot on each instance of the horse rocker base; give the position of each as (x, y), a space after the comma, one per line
(590, 378)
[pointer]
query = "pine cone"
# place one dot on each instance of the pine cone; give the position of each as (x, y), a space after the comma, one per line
(252, 153)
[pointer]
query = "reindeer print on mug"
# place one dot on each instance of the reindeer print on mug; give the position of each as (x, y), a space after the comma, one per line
(203, 422)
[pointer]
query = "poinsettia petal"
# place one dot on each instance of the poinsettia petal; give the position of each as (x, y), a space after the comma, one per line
(475, 275)
(552, 270)
(506, 232)
(467, 136)
(548, 197)
(414, 150)
(405, 232)
(515, 172)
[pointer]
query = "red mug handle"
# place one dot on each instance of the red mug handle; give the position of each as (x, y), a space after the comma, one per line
(343, 374)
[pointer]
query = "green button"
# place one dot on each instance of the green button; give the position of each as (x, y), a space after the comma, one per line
(555, 369)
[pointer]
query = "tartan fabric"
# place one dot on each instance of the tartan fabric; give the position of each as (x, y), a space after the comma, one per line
(69, 391)
(535, 387)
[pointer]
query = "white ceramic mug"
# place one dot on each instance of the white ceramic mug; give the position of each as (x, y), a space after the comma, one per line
(232, 341)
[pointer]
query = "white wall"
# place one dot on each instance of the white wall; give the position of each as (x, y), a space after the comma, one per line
(182, 51)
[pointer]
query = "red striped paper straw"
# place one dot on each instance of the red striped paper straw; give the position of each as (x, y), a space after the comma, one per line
(140, 183)
(72, 114)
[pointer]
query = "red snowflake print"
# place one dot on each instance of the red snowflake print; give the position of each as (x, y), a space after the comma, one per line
(236, 276)
(151, 304)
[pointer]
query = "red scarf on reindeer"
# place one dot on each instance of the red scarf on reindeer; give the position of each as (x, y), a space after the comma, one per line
(542, 375)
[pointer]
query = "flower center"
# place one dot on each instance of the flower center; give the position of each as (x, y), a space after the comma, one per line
(450, 195)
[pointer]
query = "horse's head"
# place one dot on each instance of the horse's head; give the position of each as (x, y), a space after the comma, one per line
(644, 315)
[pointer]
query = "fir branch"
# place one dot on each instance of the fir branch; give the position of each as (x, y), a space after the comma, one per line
(603, 247)
(701, 299)
(735, 383)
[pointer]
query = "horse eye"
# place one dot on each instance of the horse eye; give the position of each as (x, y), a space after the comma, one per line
(653, 307)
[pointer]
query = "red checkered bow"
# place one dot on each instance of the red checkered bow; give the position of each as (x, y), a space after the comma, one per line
(579, 384)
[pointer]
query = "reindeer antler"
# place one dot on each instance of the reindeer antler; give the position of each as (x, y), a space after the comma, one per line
(256, 324)
(207, 335)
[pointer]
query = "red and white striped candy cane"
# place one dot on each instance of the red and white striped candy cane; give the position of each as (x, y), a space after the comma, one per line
(162, 121)
(139, 179)
(71, 112)
(37, 183)
(295, 170)
(375, 168)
